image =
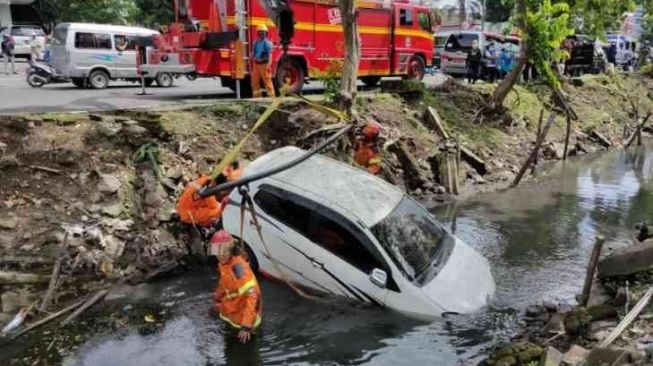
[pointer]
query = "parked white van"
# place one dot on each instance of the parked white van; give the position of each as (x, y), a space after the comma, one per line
(94, 54)
(338, 230)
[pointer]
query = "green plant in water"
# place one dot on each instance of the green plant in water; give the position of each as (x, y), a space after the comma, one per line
(330, 78)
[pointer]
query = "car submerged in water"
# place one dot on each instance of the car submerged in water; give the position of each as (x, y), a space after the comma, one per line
(336, 229)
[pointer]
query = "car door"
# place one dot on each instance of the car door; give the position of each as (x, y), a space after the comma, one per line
(125, 63)
(284, 222)
(348, 255)
(92, 49)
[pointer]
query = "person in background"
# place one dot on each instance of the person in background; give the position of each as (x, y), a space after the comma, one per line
(491, 58)
(7, 45)
(35, 49)
(46, 52)
(237, 297)
(473, 61)
(506, 62)
(262, 51)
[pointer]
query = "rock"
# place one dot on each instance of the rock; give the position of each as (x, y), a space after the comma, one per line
(575, 355)
(602, 312)
(108, 184)
(554, 324)
(554, 150)
(12, 301)
(551, 307)
(135, 135)
(598, 295)
(112, 246)
(166, 212)
(533, 311)
(95, 117)
(551, 357)
(117, 225)
(169, 183)
(175, 174)
(515, 354)
(112, 209)
(577, 322)
(154, 197)
(8, 222)
(608, 357)
(627, 261)
(5, 318)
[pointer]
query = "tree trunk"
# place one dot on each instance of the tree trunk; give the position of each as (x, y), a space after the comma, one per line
(504, 87)
(462, 10)
(347, 97)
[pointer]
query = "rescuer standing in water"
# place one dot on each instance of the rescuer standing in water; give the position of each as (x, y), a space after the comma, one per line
(262, 50)
(238, 295)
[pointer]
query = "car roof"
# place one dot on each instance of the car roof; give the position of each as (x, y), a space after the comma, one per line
(92, 27)
(338, 186)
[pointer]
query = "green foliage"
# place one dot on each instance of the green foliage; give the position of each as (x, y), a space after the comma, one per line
(331, 79)
(546, 28)
(155, 13)
(595, 17)
(97, 11)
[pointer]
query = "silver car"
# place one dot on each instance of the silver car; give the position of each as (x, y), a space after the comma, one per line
(22, 35)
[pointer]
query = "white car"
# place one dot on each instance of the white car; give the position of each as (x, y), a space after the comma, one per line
(23, 37)
(336, 229)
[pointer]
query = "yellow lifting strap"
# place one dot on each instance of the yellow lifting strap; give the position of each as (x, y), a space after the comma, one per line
(276, 103)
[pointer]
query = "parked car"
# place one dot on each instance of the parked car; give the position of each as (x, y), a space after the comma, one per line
(22, 35)
(440, 40)
(338, 230)
(94, 54)
(585, 56)
(454, 56)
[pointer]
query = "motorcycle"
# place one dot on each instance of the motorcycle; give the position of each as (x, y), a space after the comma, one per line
(40, 74)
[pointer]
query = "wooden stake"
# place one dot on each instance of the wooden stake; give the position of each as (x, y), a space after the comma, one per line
(564, 154)
(537, 136)
(638, 131)
(10, 277)
(48, 319)
(97, 297)
(54, 280)
(536, 150)
(591, 269)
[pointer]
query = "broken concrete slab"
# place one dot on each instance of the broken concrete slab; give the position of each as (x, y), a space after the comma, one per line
(608, 357)
(551, 357)
(575, 355)
(108, 184)
(112, 209)
(8, 222)
(627, 261)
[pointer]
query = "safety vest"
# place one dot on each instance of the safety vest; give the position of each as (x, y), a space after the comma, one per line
(367, 155)
(238, 295)
(196, 210)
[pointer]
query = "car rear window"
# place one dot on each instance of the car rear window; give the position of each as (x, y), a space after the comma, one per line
(461, 41)
(27, 31)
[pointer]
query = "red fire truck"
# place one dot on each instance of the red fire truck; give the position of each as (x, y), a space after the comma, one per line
(212, 38)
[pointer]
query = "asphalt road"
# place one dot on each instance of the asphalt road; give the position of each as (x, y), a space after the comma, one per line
(16, 96)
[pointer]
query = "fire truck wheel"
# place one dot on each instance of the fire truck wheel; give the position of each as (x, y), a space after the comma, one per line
(371, 80)
(98, 79)
(416, 68)
(292, 73)
(164, 80)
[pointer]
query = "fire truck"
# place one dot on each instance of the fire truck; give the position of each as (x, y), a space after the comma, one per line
(213, 38)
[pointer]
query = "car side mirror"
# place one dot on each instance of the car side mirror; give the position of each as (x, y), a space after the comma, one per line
(379, 277)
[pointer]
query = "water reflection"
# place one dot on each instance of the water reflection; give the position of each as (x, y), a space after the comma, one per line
(537, 239)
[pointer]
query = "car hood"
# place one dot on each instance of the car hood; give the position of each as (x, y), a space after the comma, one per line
(464, 284)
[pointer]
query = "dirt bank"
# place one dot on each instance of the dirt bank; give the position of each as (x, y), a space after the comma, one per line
(96, 193)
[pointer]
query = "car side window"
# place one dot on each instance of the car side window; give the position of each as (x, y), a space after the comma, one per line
(124, 43)
(406, 17)
(424, 21)
(92, 40)
(344, 242)
(283, 209)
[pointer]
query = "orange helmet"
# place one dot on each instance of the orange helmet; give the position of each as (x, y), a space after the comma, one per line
(371, 130)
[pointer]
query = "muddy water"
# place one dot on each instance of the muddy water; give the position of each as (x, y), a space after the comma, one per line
(537, 238)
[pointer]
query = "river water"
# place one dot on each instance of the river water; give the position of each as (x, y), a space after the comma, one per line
(537, 238)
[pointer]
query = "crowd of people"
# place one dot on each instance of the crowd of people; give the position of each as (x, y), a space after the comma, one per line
(492, 64)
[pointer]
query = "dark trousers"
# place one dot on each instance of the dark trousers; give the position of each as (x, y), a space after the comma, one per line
(473, 70)
(241, 354)
(491, 74)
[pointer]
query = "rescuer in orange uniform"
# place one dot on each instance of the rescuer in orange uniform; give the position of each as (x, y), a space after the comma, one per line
(206, 211)
(238, 295)
(366, 149)
(262, 50)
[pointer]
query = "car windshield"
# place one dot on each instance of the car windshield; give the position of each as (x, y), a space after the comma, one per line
(414, 240)
(461, 41)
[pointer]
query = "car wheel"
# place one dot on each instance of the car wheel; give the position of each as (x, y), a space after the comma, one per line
(290, 72)
(98, 79)
(416, 68)
(164, 80)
